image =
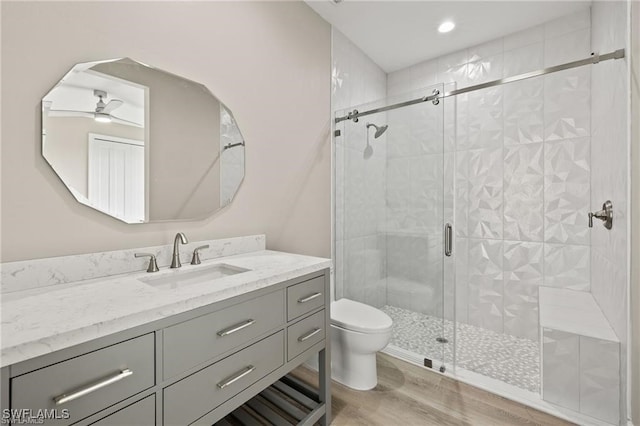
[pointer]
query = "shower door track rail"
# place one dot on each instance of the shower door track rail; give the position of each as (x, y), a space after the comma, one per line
(593, 59)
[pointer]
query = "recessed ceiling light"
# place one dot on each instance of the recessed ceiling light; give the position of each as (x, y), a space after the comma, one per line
(446, 26)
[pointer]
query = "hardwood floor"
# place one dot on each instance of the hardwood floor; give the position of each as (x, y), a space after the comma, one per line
(409, 395)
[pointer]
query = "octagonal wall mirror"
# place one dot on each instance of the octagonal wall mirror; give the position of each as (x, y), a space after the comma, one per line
(141, 144)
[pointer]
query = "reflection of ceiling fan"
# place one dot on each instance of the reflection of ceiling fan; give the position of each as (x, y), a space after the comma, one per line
(102, 113)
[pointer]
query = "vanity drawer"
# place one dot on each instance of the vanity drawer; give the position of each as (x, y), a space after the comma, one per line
(89, 383)
(304, 334)
(195, 341)
(196, 395)
(141, 413)
(305, 297)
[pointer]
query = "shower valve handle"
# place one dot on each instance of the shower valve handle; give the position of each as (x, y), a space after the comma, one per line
(605, 215)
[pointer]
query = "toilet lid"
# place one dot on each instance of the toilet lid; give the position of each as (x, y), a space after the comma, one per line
(357, 316)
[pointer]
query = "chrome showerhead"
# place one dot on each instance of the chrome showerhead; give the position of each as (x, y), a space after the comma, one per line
(379, 130)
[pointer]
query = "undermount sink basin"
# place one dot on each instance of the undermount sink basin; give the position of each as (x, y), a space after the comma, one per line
(181, 278)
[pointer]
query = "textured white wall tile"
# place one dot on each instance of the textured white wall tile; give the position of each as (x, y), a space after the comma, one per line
(523, 112)
(485, 50)
(424, 74)
(600, 379)
(486, 284)
(566, 191)
(449, 107)
(455, 74)
(521, 311)
(569, 23)
(567, 266)
(524, 38)
(569, 47)
(610, 165)
(456, 58)
(560, 368)
(485, 118)
(462, 194)
(462, 122)
(486, 193)
(523, 59)
(566, 104)
(523, 192)
(426, 192)
(523, 263)
(523, 267)
(484, 70)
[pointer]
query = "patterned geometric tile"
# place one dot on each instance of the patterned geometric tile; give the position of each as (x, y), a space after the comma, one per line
(523, 263)
(485, 118)
(426, 192)
(567, 266)
(462, 121)
(521, 310)
(486, 193)
(487, 69)
(523, 112)
(523, 199)
(523, 59)
(600, 379)
(567, 47)
(560, 368)
(566, 191)
(486, 284)
(398, 193)
(462, 193)
(449, 177)
(523, 266)
(566, 104)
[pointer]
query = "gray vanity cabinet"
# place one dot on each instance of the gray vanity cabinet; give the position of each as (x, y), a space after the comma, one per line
(141, 413)
(119, 371)
(191, 368)
(198, 340)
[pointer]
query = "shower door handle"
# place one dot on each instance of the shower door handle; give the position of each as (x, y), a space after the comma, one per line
(448, 240)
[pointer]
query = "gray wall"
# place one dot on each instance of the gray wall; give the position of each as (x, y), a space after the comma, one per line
(269, 62)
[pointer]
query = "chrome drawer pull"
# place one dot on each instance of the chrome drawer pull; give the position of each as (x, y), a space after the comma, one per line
(231, 380)
(236, 327)
(310, 297)
(59, 400)
(309, 335)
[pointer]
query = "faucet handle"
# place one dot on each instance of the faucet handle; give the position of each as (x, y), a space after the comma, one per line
(153, 265)
(605, 215)
(195, 260)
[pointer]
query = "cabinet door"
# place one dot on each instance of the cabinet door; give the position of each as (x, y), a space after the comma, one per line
(141, 413)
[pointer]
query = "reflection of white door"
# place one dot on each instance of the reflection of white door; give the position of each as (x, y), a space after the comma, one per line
(116, 177)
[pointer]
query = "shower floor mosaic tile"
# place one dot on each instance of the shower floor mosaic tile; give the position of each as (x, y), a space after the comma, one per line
(511, 359)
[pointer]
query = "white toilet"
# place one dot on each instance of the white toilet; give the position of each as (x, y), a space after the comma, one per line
(358, 331)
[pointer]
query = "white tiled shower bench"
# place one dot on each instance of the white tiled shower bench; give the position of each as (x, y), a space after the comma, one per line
(580, 355)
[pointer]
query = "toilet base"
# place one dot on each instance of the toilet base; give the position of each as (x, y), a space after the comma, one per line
(356, 371)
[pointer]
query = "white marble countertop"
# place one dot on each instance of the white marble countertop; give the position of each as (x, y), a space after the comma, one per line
(43, 320)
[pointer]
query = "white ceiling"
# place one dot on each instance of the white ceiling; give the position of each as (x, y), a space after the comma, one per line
(397, 34)
(73, 95)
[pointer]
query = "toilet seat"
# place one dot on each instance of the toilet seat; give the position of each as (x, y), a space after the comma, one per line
(356, 316)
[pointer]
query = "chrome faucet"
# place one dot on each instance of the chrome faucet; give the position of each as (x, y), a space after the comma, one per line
(175, 260)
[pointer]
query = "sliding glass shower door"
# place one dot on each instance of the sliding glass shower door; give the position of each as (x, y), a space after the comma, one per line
(390, 219)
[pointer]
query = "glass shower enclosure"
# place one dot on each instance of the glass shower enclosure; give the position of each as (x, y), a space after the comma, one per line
(392, 216)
